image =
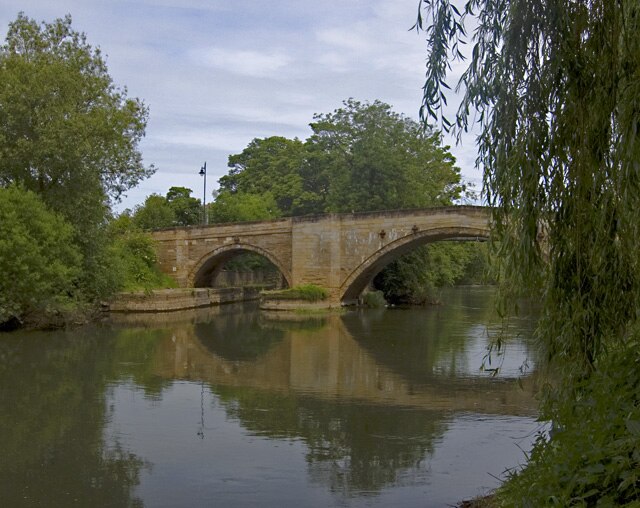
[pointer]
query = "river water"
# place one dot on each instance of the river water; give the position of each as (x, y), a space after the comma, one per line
(231, 406)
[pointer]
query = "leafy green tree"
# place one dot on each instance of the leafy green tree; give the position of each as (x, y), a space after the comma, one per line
(556, 89)
(240, 207)
(67, 133)
(178, 208)
(139, 262)
(38, 260)
(187, 209)
(413, 278)
(155, 213)
(360, 157)
(270, 165)
(135, 263)
(376, 159)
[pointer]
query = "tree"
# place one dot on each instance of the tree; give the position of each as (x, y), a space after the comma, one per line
(555, 87)
(374, 159)
(38, 259)
(187, 210)
(362, 156)
(239, 207)
(270, 165)
(155, 213)
(178, 208)
(66, 132)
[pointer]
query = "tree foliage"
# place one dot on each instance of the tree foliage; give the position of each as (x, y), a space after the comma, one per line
(154, 213)
(269, 165)
(187, 209)
(68, 134)
(38, 260)
(177, 208)
(242, 207)
(363, 156)
(594, 456)
(373, 158)
(135, 259)
(414, 278)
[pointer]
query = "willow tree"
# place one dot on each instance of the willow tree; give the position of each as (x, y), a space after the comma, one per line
(553, 90)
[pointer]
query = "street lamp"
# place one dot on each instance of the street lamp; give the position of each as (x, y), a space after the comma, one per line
(203, 172)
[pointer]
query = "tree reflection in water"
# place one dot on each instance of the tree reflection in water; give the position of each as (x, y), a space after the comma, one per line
(354, 447)
(53, 398)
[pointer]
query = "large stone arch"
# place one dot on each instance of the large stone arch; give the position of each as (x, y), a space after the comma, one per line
(208, 265)
(358, 279)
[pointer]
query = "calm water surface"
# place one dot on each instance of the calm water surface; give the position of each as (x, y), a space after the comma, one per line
(231, 406)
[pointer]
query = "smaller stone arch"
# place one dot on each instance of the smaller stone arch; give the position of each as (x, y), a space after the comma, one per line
(209, 264)
(357, 280)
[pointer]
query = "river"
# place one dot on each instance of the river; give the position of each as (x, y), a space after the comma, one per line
(232, 407)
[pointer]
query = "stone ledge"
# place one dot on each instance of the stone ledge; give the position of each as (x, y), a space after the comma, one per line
(164, 300)
(289, 305)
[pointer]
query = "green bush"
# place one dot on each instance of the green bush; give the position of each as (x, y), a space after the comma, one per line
(591, 457)
(38, 260)
(308, 292)
(138, 264)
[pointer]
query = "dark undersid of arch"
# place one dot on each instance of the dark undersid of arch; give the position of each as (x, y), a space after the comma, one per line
(210, 264)
(357, 281)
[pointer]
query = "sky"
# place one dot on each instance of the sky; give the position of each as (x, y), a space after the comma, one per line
(216, 74)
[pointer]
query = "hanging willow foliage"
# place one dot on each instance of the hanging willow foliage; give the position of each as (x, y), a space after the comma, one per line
(553, 88)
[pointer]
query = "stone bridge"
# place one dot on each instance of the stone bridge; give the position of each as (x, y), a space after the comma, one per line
(341, 252)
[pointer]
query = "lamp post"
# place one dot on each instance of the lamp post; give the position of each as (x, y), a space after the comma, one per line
(203, 172)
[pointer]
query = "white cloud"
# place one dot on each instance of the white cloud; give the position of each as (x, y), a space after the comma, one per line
(344, 39)
(240, 61)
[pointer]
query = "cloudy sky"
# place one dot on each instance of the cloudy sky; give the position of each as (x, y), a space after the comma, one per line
(218, 73)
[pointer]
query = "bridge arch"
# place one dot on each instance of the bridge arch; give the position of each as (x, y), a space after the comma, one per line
(206, 268)
(359, 278)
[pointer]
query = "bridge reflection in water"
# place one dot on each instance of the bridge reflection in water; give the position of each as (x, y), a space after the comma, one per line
(321, 357)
